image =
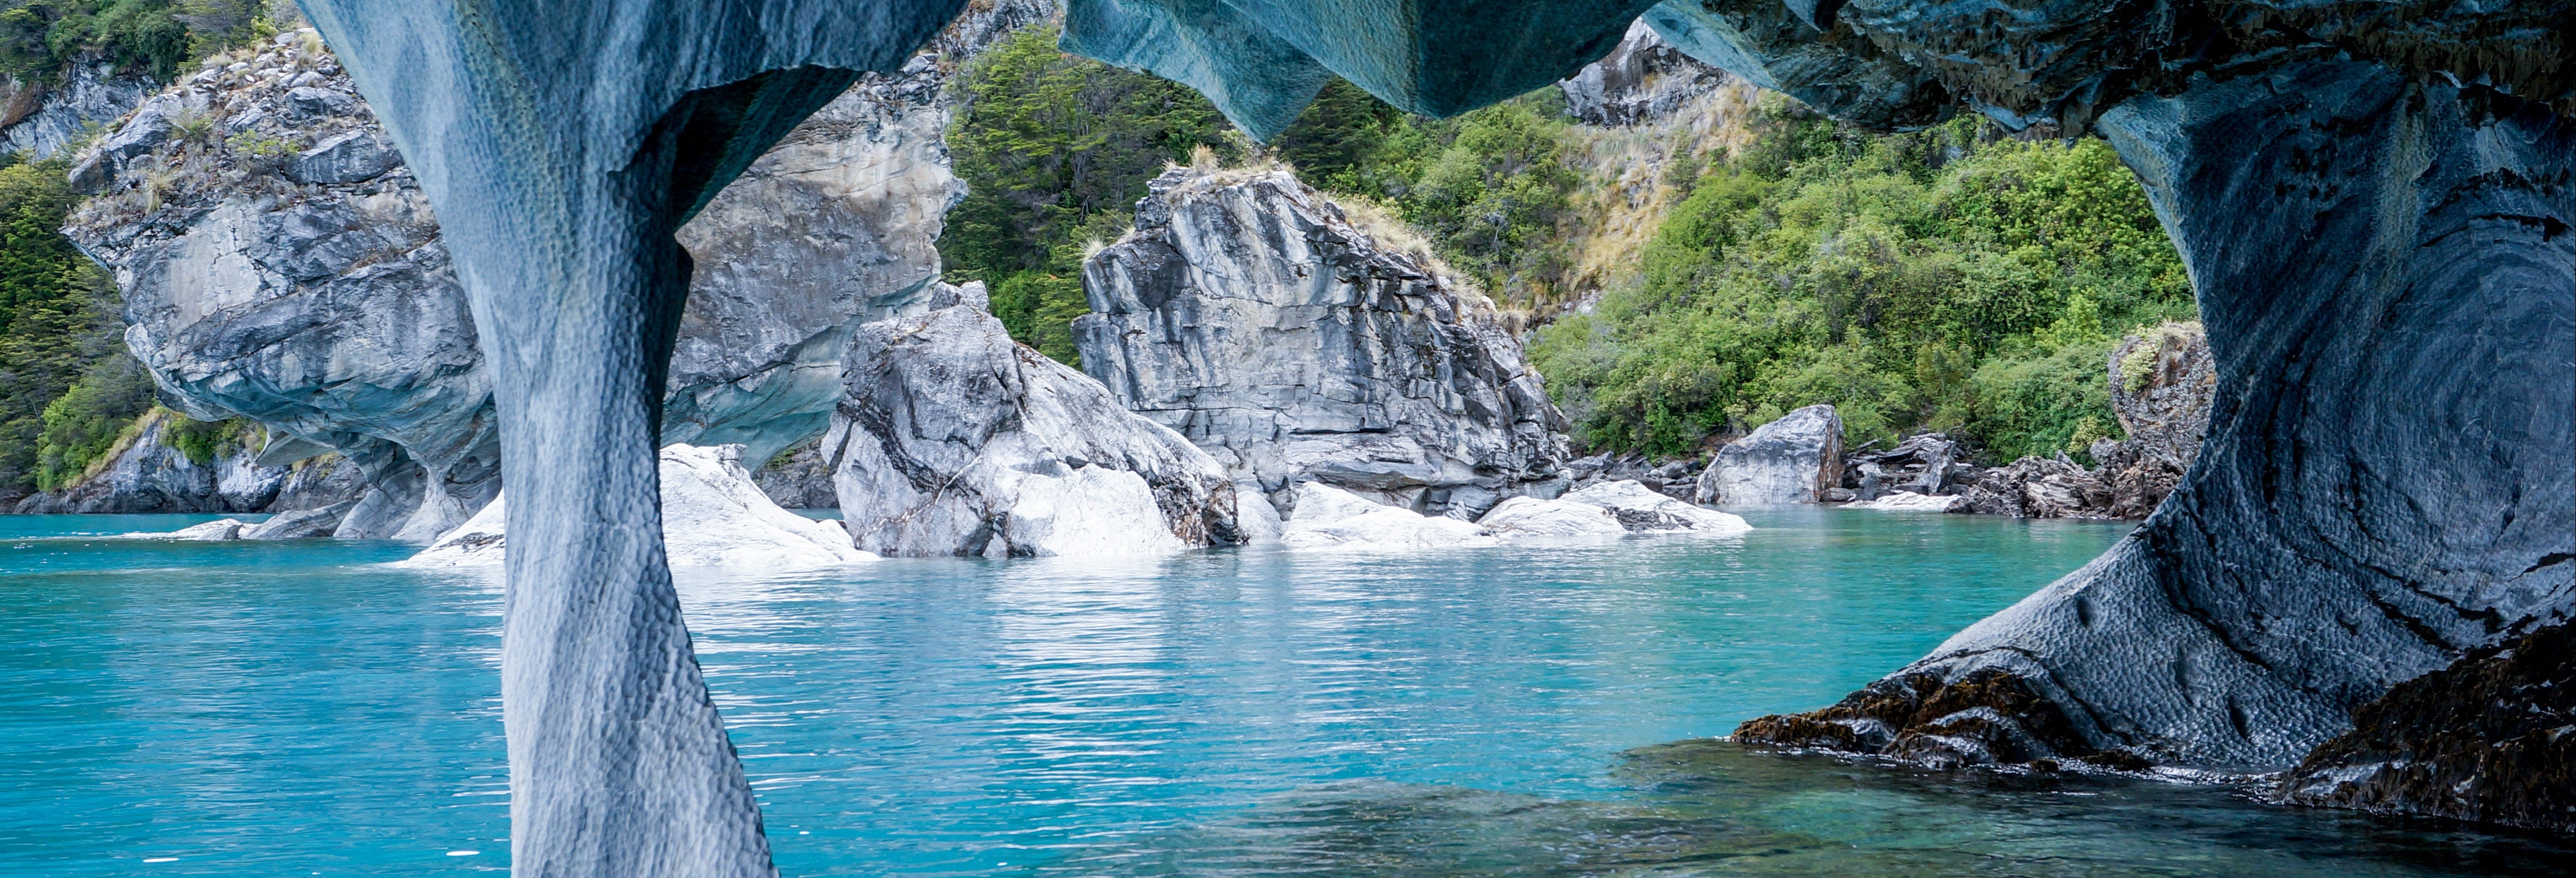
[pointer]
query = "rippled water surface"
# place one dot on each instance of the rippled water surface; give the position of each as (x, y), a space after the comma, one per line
(292, 709)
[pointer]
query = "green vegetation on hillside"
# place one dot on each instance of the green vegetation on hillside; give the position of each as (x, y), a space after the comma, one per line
(1944, 279)
(153, 37)
(66, 386)
(1055, 150)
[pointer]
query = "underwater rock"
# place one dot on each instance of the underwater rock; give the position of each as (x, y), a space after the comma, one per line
(712, 516)
(2492, 738)
(955, 440)
(1255, 317)
(1795, 459)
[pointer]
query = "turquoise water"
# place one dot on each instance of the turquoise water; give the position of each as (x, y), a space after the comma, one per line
(290, 709)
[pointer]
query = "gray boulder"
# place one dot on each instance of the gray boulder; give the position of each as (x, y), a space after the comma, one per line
(955, 440)
(1258, 319)
(1796, 459)
(147, 473)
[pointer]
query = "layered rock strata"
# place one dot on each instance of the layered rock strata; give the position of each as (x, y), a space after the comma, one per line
(1255, 317)
(1797, 458)
(2397, 237)
(955, 440)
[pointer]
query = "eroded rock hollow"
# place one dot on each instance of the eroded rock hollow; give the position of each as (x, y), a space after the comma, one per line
(2374, 201)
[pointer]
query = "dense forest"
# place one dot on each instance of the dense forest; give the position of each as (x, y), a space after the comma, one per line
(1952, 279)
(68, 390)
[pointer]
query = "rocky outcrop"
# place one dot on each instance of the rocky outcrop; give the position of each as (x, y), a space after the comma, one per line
(1643, 510)
(1330, 518)
(1642, 80)
(279, 262)
(2492, 737)
(38, 119)
(801, 478)
(1795, 459)
(2037, 487)
(2162, 384)
(1255, 317)
(955, 440)
(148, 472)
(1925, 465)
(712, 516)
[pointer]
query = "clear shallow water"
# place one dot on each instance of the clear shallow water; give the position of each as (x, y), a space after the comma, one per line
(291, 709)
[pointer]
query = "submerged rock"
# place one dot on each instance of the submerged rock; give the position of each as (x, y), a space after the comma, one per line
(1795, 459)
(1255, 317)
(955, 440)
(712, 516)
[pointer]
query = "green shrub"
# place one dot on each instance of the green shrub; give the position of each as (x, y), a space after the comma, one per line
(153, 37)
(57, 314)
(1943, 279)
(1055, 150)
(90, 418)
(201, 441)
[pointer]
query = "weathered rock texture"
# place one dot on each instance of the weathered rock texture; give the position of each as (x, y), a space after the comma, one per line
(1253, 316)
(1797, 458)
(712, 516)
(563, 143)
(1926, 464)
(145, 473)
(955, 440)
(280, 263)
(2037, 487)
(38, 119)
(2492, 737)
(1643, 80)
(2382, 262)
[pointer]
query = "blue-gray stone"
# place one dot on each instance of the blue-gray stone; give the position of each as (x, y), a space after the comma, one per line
(562, 143)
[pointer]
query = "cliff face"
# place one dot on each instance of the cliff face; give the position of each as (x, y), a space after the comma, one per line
(38, 119)
(148, 472)
(280, 262)
(1253, 316)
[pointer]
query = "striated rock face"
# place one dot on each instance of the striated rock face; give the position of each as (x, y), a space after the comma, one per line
(955, 440)
(799, 479)
(37, 119)
(2488, 738)
(1796, 459)
(2037, 487)
(1924, 465)
(2162, 384)
(712, 516)
(146, 473)
(284, 265)
(1253, 316)
(1642, 80)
